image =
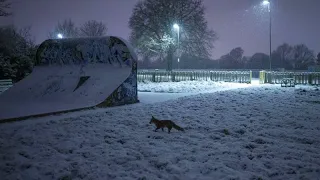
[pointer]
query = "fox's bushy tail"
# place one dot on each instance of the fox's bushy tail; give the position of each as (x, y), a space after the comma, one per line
(177, 127)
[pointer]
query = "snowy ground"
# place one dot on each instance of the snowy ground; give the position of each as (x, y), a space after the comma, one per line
(263, 132)
(149, 92)
(188, 86)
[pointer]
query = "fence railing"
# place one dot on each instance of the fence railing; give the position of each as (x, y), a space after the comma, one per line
(255, 72)
(5, 84)
(311, 78)
(189, 75)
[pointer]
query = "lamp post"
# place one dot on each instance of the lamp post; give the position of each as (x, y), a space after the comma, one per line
(268, 3)
(176, 27)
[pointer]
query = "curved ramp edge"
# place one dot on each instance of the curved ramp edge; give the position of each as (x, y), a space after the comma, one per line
(111, 83)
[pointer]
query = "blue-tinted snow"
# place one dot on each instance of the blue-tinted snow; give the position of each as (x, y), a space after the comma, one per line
(268, 132)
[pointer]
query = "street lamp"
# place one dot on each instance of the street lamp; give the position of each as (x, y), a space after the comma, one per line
(60, 36)
(176, 27)
(265, 2)
(268, 3)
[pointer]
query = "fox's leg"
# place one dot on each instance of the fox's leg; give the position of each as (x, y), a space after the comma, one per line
(156, 129)
(162, 129)
(169, 129)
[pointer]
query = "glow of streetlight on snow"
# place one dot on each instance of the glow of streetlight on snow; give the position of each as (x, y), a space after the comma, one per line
(176, 26)
(60, 36)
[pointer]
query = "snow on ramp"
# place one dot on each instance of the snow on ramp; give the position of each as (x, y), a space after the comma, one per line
(74, 74)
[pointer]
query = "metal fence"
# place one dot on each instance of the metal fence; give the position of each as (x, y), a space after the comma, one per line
(255, 72)
(194, 75)
(271, 77)
(5, 84)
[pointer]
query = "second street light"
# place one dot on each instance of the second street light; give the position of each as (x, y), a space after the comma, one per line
(176, 27)
(268, 3)
(59, 36)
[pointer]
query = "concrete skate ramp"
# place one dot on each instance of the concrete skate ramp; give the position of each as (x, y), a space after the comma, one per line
(74, 74)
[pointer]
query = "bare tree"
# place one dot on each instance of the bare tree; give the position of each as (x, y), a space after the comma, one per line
(93, 28)
(12, 42)
(153, 33)
(25, 32)
(318, 58)
(4, 6)
(17, 52)
(232, 60)
(258, 61)
(302, 57)
(285, 51)
(236, 54)
(67, 29)
(282, 56)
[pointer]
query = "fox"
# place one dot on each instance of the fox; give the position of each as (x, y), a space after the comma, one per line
(164, 123)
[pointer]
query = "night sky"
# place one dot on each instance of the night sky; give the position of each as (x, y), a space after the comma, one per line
(242, 23)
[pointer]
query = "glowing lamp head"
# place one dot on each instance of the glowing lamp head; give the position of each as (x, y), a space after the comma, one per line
(60, 36)
(176, 26)
(266, 2)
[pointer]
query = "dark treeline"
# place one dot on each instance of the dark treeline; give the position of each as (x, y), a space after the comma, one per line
(18, 48)
(297, 57)
(17, 52)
